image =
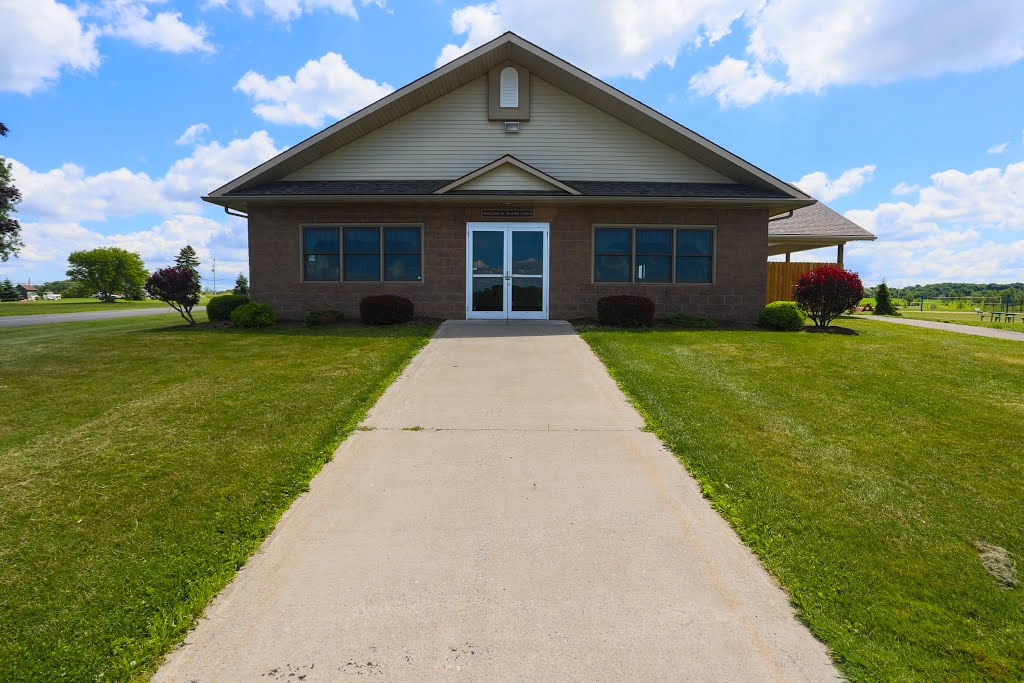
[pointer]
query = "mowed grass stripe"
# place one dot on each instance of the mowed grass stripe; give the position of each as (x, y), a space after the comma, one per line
(140, 465)
(861, 470)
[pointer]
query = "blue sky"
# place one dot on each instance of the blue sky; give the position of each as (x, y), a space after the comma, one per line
(906, 115)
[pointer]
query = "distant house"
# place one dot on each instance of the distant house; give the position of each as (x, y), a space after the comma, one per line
(27, 292)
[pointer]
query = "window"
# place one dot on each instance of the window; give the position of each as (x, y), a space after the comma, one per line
(653, 255)
(362, 254)
(509, 88)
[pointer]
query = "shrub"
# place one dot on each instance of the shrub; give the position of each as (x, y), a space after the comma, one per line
(220, 307)
(177, 287)
(827, 292)
(692, 322)
(253, 315)
(784, 316)
(625, 310)
(328, 317)
(385, 309)
(883, 301)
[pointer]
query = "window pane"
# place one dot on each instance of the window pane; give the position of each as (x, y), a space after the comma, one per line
(320, 240)
(527, 294)
(693, 269)
(654, 242)
(488, 252)
(321, 267)
(613, 241)
(401, 240)
(693, 242)
(402, 267)
(611, 268)
(527, 253)
(362, 267)
(653, 268)
(362, 241)
(488, 294)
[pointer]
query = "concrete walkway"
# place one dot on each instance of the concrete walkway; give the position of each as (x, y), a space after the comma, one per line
(951, 327)
(44, 318)
(502, 518)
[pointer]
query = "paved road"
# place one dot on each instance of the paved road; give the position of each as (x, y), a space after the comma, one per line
(42, 319)
(502, 517)
(951, 327)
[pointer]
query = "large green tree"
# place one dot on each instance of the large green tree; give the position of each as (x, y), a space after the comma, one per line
(7, 291)
(188, 259)
(241, 286)
(109, 271)
(10, 229)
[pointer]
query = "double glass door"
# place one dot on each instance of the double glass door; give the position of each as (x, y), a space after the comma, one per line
(507, 270)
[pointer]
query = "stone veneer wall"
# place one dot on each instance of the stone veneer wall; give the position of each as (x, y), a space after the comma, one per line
(738, 293)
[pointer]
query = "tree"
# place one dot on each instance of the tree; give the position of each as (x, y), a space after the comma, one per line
(187, 258)
(241, 286)
(827, 292)
(10, 229)
(883, 301)
(178, 287)
(108, 271)
(7, 290)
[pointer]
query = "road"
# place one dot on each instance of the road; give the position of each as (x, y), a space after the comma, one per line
(46, 318)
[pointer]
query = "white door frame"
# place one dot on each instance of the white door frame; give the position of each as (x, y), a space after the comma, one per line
(507, 313)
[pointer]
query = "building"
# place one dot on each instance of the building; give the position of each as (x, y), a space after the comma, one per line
(511, 184)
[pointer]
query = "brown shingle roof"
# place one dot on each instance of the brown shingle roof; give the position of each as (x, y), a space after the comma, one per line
(818, 220)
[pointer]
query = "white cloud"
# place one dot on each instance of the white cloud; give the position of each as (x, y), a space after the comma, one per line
(609, 37)
(192, 134)
(326, 88)
(69, 194)
(961, 228)
(903, 187)
(820, 186)
(287, 10)
(997, 149)
(38, 40)
(814, 44)
(130, 20)
(735, 82)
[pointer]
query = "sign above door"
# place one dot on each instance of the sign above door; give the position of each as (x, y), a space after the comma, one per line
(506, 213)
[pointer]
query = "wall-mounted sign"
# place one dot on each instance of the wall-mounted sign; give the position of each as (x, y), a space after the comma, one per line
(506, 213)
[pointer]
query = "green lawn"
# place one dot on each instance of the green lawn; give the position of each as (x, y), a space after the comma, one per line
(140, 465)
(73, 306)
(861, 470)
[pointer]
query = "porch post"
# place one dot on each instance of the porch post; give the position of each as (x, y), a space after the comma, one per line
(839, 257)
(788, 254)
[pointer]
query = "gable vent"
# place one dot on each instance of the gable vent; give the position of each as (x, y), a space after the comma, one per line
(509, 97)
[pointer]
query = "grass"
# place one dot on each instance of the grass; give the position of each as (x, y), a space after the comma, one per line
(72, 306)
(141, 464)
(960, 318)
(868, 473)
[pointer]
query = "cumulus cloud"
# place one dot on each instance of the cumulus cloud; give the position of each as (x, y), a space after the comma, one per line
(130, 20)
(38, 40)
(963, 227)
(323, 89)
(608, 37)
(820, 186)
(997, 149)
(736, 82)
(192, 134)
(287, 10)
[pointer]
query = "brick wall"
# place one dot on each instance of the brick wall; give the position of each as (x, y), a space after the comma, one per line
(738, 293)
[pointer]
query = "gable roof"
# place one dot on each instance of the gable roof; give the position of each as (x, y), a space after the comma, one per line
(817, 221)
(28, 288)
(508, 160)
(477, 63)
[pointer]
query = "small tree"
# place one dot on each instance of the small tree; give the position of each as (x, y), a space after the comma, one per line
(108, 271)
(10, 229)
(883, 301)
(7, 291)
(241, 286)
(177, 287)
(187, 258)
(827, 292)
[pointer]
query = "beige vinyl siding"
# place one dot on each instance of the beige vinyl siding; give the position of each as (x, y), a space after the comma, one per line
(451, 137)
(507, 177)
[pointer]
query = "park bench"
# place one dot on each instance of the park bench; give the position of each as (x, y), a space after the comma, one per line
(997, 316)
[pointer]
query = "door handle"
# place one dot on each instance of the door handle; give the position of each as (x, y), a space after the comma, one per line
(508, 276)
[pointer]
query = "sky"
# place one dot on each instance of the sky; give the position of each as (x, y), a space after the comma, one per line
(907, 116)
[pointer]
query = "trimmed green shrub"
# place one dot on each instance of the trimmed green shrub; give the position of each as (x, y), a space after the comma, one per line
(883, 301)
(692, 322)
(625, 310)
(328, 317)
(385, 309)
(254, 315)
(220, 307)
(784, 316)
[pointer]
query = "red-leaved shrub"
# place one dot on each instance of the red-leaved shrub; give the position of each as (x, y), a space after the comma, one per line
(177, 287)
(827, 292)
(385, 309)
(625, 310)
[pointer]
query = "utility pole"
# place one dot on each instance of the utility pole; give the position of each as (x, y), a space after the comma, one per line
(215, 276)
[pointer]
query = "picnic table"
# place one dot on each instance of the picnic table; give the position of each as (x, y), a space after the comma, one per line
(997, 316)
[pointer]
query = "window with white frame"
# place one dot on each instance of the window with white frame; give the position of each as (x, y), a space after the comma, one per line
(654, 254)
(362, 253)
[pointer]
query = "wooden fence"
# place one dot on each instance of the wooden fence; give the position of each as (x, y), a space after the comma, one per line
(782, 278)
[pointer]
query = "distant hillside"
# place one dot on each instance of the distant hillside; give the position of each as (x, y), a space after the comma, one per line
(957, 289)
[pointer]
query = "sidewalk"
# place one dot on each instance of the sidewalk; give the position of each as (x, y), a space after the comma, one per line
(501, 516)
(950, 327)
